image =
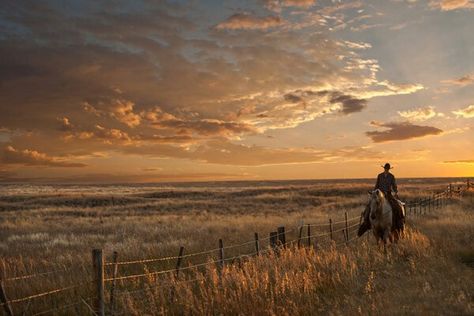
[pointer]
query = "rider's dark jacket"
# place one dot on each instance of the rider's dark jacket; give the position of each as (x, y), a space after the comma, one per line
(386, 183)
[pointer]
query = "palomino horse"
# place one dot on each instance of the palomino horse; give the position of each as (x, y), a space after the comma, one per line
(381, 217)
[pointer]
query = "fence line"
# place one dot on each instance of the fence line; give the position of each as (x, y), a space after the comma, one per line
(33, 275)
(277, 242)
(27, 298)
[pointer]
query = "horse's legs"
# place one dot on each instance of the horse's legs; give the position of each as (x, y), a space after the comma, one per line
(385, 237)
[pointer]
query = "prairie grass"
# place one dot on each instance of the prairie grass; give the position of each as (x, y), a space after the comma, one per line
(428, 272)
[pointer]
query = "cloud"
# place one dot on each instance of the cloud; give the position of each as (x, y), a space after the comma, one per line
(194, 125)
(277, 5)
(349, 103)
(228, 153)
(209, 84)
(298, 3)
(293, 98)
(420, 114)
(110, 134)
(65, 124)
(385, 88)
(247, 21)
(461, 81)
(448, 5)
(122, 110)
(400, 131)
(30, 157)
(465, 161)
(467, 112)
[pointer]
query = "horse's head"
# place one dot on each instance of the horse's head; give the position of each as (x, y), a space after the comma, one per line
(376, 199)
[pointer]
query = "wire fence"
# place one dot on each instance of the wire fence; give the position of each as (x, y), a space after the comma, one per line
(277, 241)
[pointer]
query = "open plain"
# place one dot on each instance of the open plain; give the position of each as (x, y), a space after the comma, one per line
(54, 228)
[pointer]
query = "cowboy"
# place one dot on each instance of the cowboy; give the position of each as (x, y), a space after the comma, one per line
(385, 183)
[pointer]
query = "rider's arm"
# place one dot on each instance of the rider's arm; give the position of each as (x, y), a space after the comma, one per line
(377, 184)
(394, 185)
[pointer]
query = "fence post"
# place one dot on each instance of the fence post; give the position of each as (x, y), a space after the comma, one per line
(221, 254)
(309, 235)
(257, 245)
(281, 235)
(299, 236)
(114, 281)
(468, 184)
(330, 228)
(98, 265)
(180, 258)
(344, 235)
(347, 227)
(4, 300)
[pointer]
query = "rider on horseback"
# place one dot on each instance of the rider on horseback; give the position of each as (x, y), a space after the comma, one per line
(385, 183)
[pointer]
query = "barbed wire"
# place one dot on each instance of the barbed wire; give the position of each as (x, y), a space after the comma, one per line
(63, 307)
(18, 300)
(29, 276)
(191, 254)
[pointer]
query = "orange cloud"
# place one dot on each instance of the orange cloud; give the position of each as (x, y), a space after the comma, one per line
(122, 110)
(193, 125)
(461, 81)
(420, 114)
(466, 161)
(65, 124)
(400, 131)
(30, 157)
(467, 112)
(247, 21)
(448, 5)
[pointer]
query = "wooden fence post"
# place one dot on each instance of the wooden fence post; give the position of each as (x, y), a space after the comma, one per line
(180, 258)
(281, 235)
(4, 300)
(300, 234)
(98, 267)
(347, 227)
(257, 245)
(221, 254)
(330, 228)
(114, 281)
(309, 235)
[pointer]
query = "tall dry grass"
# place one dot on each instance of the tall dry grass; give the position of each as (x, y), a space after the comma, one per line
(57, 232)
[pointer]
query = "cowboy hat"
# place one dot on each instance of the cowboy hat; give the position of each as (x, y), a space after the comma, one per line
(387, 166)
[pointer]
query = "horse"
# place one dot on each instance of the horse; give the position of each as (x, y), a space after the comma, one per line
(381, 216)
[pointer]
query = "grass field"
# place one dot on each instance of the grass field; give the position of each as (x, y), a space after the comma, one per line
(49, 228)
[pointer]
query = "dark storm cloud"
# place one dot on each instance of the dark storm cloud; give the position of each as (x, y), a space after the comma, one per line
(293, 98)
(349, 103)
(400, 131)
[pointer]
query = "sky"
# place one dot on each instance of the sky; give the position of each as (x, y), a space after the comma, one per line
(150, 91)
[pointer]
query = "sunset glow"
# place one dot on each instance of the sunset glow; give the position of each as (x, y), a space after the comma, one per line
(150, 91)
